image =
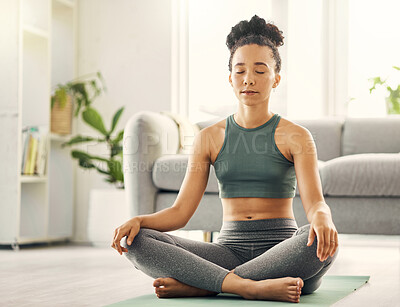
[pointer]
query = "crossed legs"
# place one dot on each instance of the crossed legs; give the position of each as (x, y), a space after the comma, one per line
(186, 267)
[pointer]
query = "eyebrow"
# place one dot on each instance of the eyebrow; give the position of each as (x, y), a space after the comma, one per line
(256, 63)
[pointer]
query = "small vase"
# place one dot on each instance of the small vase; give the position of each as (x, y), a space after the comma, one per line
(61, 117)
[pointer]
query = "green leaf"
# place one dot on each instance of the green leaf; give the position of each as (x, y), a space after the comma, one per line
(115, 168)
(78, 139)
(102, 171)
(93, 119)
(118, 138)
(116, 118)
(115, 150)
(80, 91)
(396, 67)
(60, 96)
(376, 81)
(77, 154)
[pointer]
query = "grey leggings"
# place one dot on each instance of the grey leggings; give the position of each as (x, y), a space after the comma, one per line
(256, 249)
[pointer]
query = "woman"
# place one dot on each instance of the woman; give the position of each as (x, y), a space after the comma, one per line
(257, 155)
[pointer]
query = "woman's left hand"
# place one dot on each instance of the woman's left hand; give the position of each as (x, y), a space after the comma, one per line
(322, 226)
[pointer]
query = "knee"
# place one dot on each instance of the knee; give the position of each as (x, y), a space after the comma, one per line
(305, 229)
(139, 241)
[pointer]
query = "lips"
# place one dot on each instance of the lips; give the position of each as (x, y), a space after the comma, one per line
(248, 91)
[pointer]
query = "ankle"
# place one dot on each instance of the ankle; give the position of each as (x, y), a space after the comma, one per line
(238, 285)
(249, 289)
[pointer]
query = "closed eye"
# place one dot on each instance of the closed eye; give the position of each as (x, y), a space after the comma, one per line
(259, 72)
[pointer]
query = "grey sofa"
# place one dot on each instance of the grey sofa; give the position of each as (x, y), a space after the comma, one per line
(359, 165)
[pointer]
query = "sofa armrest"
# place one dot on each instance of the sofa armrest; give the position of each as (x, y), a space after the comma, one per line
(147, 136)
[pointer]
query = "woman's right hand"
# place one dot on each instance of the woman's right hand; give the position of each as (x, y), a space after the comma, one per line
(130, 229)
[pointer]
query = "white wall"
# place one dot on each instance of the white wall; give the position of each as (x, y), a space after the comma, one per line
(129, 42)
(306, 74)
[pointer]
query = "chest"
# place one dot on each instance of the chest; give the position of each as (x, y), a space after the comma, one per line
(258, 143)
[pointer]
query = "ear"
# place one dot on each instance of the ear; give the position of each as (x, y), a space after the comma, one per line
(230, 79)
(277, 79)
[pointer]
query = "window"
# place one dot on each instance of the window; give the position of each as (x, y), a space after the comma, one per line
(374, 47)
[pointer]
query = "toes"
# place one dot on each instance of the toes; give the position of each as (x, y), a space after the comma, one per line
(168, 281)
(294, 299)
(158, 282)
(299, 282)
(294, 291)
(160, 292)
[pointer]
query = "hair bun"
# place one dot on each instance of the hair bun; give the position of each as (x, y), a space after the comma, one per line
(256, 26)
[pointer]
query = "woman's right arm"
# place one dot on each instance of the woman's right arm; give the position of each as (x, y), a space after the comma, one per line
(186, 203)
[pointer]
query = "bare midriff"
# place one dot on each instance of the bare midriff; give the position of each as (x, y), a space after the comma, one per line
(255, 208)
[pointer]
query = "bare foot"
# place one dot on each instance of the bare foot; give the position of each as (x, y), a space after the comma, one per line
(170, 287)
(287, 289)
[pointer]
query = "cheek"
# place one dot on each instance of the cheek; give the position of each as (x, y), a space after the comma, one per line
(236, 81)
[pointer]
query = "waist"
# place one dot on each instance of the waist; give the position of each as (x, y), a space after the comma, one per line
(249, 208)
(259, 225)
(265, 232)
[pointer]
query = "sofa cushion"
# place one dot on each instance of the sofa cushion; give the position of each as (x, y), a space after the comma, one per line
(371, 135)
(169, 171)
(362, 175)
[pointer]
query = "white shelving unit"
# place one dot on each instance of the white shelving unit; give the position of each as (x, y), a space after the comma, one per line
(40, 52)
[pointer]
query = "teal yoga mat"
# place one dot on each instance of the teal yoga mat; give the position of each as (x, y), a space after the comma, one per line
(332, 289)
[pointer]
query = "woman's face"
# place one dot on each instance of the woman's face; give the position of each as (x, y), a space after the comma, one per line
(253, 69)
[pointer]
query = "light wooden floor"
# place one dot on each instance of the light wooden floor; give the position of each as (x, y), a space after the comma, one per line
(76, 275)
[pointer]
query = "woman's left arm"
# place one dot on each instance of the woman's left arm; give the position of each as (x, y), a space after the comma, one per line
(304, 153)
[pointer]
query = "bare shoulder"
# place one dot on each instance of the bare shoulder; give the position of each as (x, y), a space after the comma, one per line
(297, 137)
(212, 139)
(292, 129)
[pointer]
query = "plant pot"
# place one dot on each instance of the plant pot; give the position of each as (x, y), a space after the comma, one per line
(108, 210)
(61, 117)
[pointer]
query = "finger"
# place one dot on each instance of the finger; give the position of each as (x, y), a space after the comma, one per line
(118, 240)
(311, 236)
(336, 244)
(327, 237)
(130, 238)
(332, 244)
(112, 242)
(320, 245)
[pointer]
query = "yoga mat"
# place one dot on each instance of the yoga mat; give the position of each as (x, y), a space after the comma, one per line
(332, 289)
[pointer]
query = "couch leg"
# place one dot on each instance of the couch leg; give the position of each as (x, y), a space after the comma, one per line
(207, 236)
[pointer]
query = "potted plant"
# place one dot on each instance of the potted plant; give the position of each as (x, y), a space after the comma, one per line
(76, 94)
(107, 207)
(393, 98)
(110, 166)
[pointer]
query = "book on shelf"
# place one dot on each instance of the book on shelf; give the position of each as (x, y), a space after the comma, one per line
(34, 150)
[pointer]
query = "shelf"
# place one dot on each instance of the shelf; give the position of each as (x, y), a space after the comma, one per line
(41, 49)
(29, 29)
(32, 179)
(60, 137)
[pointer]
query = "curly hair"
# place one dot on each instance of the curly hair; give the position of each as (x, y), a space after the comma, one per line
(256, 31)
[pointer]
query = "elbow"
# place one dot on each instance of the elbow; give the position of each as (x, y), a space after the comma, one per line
(180, 218)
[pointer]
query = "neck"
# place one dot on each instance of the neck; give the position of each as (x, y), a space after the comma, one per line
(251, 117)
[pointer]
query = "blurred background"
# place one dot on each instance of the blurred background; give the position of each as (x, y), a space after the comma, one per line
(171, 55)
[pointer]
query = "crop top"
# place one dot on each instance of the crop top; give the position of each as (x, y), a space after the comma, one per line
(250, 164)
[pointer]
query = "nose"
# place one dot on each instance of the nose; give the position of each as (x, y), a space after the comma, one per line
(248, 80)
